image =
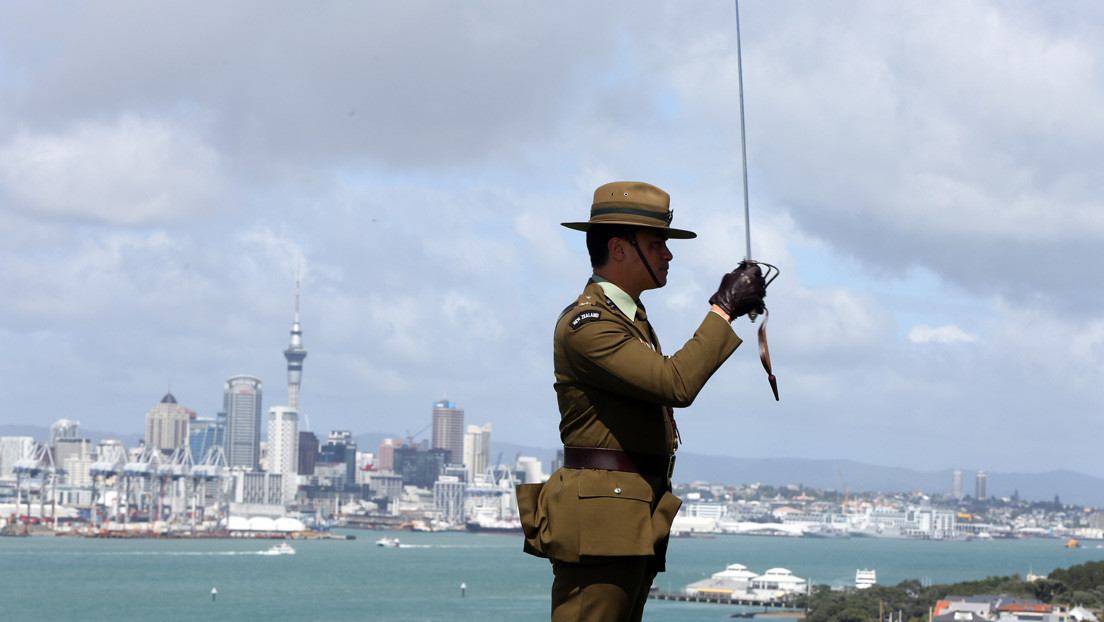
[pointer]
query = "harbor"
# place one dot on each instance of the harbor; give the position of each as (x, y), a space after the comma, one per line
(336, 580)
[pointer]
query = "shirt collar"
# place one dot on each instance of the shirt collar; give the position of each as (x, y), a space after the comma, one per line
(624, 302)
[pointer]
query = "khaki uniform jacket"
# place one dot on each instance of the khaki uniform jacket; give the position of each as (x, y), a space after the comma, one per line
(614, 391)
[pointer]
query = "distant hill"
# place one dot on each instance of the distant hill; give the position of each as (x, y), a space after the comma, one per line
(1069, 486)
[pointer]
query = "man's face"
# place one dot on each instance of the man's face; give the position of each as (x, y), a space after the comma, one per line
(653, 244)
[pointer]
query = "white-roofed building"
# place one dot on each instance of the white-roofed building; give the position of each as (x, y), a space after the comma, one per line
(778, 582)
(732, 582)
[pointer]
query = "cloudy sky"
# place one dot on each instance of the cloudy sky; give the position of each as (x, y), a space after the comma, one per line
(927, 175)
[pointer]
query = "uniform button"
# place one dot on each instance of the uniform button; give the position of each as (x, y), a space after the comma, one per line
(616, 491)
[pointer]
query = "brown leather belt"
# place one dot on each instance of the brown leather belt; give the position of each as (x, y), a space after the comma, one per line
(617, 460)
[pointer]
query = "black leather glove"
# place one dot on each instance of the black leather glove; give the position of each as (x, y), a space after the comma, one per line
(741, 291)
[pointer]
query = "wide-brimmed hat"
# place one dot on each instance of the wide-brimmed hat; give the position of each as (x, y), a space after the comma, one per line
(632, 203)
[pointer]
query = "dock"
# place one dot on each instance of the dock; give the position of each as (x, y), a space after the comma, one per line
(791, 611)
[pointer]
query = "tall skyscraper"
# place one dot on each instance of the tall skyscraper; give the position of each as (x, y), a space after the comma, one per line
(477, 450)
(956, 484)
(295, 353)
(448, 430)
(308, 452)
(167, 424)
(63, 428)
(981, 481)
(283, 448)
(241, 405)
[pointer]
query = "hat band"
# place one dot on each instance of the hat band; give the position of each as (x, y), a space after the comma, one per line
(605, 211)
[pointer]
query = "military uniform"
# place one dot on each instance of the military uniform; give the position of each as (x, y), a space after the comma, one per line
(614, 388)
(604, 518)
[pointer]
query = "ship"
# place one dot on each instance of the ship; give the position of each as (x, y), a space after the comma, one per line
(482, 523)
(865, 579)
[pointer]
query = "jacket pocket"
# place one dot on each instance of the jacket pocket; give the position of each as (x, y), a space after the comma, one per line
(532, 518)
(664, 516)
(615, 514)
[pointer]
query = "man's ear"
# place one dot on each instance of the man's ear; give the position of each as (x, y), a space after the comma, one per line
(617, 248)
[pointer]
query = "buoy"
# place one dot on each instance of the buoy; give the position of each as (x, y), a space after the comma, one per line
(214, 593)
(463, 588)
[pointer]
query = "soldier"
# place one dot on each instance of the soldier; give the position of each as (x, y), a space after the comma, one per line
(604, 518)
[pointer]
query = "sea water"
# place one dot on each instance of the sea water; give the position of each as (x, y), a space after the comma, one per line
(68, 578)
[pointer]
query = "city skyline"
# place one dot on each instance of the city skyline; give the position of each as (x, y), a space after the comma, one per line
(926, 177)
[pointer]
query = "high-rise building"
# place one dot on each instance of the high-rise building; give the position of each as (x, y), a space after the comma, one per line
(12, 449)
(448, 429)
(981, 481)
(420, 468)
(63, 428)
(167, 424)
(956, 484)
(295, 353)
(203, 434)
(308, 452)
(385, 460)
(74, 457)
(241, 404)
(283, 448)
(340, 449)
(477, 450)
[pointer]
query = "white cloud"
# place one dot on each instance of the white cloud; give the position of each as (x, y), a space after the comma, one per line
(923, 333)
(134, 171)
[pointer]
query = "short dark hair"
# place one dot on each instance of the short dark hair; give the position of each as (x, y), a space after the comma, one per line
(598, 237)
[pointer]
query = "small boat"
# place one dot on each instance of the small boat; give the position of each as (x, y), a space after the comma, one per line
(1073, 544)
(282, 548)
(389, 542)
(865, 578)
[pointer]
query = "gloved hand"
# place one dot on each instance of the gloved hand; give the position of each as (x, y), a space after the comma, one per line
(741, 291)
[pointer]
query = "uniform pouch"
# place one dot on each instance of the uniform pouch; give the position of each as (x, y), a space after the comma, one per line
(664, 516)
(532, 518)
(615, 514)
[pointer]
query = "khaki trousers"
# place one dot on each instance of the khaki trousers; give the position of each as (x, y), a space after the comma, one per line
(613, 591)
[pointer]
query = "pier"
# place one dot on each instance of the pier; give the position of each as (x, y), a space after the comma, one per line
(787, 604)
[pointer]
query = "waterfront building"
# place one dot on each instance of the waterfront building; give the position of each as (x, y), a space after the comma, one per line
(340, 449)
(732, 582)
(257, 488)
(956, 484)
(283, 447)
(448, 498)
(980, 486)
(385, 460)
(420, 468)
(241, 406)
(448, 429)
(778, 581)
(477, 450)
(308, 452)
(167, 424)
(385, 485)
(63, 428)
(12, 449)
(74, 456)
(295, 353)
(527, 470)
(203, 434)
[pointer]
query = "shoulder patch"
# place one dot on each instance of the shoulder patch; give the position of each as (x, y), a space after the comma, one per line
(583, 317)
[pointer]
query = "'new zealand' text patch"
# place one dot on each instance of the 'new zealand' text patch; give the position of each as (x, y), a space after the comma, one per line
(585, 316)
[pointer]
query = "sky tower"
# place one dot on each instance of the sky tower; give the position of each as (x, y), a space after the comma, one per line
(295, 353)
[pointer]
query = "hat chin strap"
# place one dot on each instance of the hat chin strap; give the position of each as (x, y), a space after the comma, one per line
(632, 242)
